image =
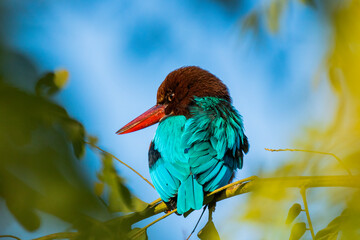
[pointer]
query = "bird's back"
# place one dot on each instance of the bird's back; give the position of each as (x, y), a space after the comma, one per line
(198, 153)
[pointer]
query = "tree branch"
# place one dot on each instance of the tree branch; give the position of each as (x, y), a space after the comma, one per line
(9, 236)
(303, 195)
(234, 189)
(245, 187)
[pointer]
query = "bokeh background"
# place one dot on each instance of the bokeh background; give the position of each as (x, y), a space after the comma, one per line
(286, 64)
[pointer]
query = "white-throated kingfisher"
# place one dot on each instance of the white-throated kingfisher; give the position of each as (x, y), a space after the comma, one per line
(200, 140)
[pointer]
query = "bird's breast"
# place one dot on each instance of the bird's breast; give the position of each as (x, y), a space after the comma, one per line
(168, 139)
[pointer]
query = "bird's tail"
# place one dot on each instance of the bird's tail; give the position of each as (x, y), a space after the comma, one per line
(190, 195)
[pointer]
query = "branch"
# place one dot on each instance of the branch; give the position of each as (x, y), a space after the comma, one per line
(10, 236)
(240, 187)
(303, 195)
(311, 151)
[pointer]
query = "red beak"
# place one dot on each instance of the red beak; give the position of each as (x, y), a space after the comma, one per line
(148, 118)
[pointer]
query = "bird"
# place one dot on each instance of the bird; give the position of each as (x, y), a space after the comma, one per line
(200, 141)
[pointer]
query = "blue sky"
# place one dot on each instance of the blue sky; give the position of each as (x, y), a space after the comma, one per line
(118, 53)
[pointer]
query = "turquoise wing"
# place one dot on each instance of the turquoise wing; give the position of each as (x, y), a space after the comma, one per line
(168, 165)
(174, 183)
(214, 142)
(164, 175)
(170, 170)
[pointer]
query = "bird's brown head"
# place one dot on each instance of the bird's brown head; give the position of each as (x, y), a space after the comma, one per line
(180, 87)
(176, 93)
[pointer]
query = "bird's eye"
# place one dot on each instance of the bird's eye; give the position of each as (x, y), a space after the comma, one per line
(171, 97)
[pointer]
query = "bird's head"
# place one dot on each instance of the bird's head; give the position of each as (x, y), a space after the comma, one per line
(176, 93)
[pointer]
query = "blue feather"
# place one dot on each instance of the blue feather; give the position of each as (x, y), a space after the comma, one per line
(177, 171)
(195, 154)
(204, 167)
(194, 162)
(182, 205)
(167, 180)
(189, 192)
(211, 173)
(198, 154)
(202, 146)
(165, 195)
(190, 195)
(222, 176)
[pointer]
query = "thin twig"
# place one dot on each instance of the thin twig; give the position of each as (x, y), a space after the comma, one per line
(311, 151)
(197, 223)
(152, 223)
(303, 195)
(132, 169)
(10, 236)
(232, 184)
(211, 208)
(155, 202)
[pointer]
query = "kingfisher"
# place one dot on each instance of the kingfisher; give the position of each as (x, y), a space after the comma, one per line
(199, 142)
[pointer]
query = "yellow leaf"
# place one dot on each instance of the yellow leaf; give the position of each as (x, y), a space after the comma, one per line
(61, 78)
(99, 188)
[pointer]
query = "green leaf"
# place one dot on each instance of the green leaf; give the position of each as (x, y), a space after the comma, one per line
(294, 211)
(76, 132)
(99, 188)
(61, 78)
(273, 14)
(209, 232)
(138, 204)
(331, 231)
(26, 216)
(138, 234)
(36, 140)
(119, 197)
(251, 22)
(297, 231)
(92, 140)
(51, 82)
(308, 2)
(45, 86)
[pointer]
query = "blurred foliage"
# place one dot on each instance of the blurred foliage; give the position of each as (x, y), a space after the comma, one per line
(265, 208)
(118, 195)
(332, 229)
(274, 13)
(40, 145)
(298, 231)
(269, 14)
(294, 211)
(51, 83)
(209, 232)
(140, 233)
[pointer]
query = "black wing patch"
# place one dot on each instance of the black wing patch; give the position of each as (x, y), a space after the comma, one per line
(154, 155)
